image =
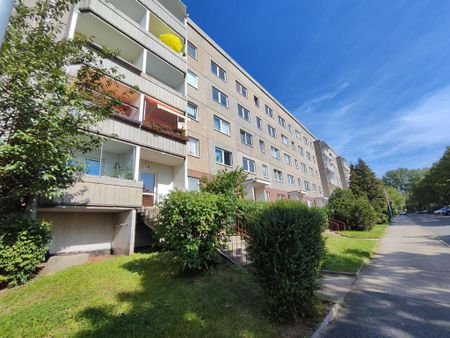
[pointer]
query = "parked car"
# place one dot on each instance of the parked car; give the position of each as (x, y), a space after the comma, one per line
(424, 211)
(403, 213)
(442, 211)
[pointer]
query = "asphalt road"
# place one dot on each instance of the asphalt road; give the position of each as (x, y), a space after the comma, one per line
(405, 290)
(438, 225)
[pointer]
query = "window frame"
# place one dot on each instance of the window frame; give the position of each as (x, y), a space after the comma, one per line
(241, 89)
(269, 128)
(221, 121)
(269, 111)
(191, 73)
(245, 136)
(241, 108)
(197, 148)
(223, 156)
(249, 161)
(190, 44)
(189, 103)
(217, 72)
(274, 150)
(220, 94)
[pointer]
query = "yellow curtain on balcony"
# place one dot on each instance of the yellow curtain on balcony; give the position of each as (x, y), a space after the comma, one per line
(172, 41)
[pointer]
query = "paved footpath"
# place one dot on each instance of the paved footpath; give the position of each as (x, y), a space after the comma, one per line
(404, 291)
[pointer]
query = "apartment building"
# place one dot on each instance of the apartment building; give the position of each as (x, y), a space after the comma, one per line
(143, 153)
(330, 174)
(344, 172)
(234, 122)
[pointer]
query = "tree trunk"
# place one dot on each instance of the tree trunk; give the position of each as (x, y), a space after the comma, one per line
(32, 205)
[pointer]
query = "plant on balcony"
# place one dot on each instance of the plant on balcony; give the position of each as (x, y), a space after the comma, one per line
(174, 133)
(47, 116)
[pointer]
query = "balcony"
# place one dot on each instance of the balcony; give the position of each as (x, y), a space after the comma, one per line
(159, 28)
(173, 12)
(132, 9)
(131, 55)
(160, 70)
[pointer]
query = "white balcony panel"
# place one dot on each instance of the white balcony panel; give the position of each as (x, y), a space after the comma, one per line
(177, 23)
(150, 86)
(103, 191)
(141, 137)
(130, 27)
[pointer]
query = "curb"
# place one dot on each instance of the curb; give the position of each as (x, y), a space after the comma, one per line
(436, 237)
(328, 319)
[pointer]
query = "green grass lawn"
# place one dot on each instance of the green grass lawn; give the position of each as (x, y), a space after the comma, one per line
(346, 254)
(139, 296)
(377, 232)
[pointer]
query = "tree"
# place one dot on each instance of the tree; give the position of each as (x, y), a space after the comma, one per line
(226, 182)
(398, 178)
(396, 200)
(46, 115)
(434, 189)
(363, 182)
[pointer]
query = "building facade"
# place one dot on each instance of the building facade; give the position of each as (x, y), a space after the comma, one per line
(344, 172)
(143, 153)
(234, 122)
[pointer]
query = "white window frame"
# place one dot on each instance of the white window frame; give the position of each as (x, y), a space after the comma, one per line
(197, 147)
(269, 111)
(193, 105)
(197, 182)
(262, 146)
(241, 89)
(215, 69)
(303, 167)
(281, 121)
(277, 175)
(306, 185)
(259, 123)
(269, 129)
(195, 55)
(193, 76)
(275, 153)
(249, 164)
(220, 96)
(298, 135)
(291, 180)
(288, 159)
(222, 122)
(223, 151)
(246, 137)
(265, 170)
(284, 140)
(244, 113)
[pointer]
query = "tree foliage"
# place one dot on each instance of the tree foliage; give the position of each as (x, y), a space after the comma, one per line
(226, 182)
(434, 189)
(46, 114)
(364, 183)
(396, 200)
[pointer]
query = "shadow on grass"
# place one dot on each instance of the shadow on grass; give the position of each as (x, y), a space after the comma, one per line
(223, 302)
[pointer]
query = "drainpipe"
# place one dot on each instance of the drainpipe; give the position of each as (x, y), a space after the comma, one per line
(5, 12)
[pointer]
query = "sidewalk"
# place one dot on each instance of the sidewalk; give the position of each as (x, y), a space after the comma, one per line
(403, 292)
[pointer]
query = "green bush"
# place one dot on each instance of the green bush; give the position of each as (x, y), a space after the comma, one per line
(23, 244)
(356, 212)
(286, 248)
(193, 224)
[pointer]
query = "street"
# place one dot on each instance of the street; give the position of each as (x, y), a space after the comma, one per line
(405, 290)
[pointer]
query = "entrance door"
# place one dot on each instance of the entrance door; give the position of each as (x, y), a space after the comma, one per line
(148, 192)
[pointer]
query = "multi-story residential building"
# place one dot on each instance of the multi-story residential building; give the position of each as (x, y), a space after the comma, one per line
(143, 154)
(234, 122)
(328, 167)
(344, 172)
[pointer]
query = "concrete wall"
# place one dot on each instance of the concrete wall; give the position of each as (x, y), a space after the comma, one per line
(123, 233)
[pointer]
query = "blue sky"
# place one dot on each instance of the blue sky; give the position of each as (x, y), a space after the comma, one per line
(372, 78)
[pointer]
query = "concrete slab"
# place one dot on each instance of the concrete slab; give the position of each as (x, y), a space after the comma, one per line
(59, 263)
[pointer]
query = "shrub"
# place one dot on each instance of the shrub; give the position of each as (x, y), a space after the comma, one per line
(23, 244)
(356, 212)
(286, 247)
(193, 224)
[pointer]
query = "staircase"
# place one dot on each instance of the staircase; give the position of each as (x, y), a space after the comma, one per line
(148, 216)
(235, 249)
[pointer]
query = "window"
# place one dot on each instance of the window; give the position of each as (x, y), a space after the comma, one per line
(241, 89)
(92, 167)
(320, 189)
(290, 129)
(301, 151)
(299, 180)
(259, 123)
(281, 121)
(248, 165)
(193, 184)
(219, 97)
(308, 155)
(303, 165)
(192, 79)
(246, 138)
(256, 100)
(192, 111)
(284, 139)
(277, 175)
(287, 159)
(314, 187)
(291, 180)
(244, 113)
(193, 146)
(262, 146)
(221, 125)
(272, 131)
(314, 159)
(224, 157)
(305, 140)
(265, 170)
(296, 163)
(306, 185)
(275, 152)
(317, 173)
(298, 135)
(218, 71)
(311, 171)
(192, 50)
(293, 146)
(281, 196)
(269, 111)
